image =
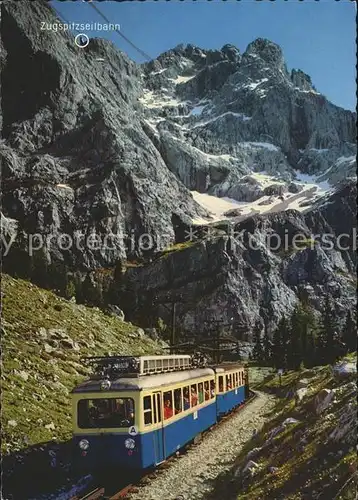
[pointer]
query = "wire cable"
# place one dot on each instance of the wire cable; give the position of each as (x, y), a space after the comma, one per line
(144, 54)
(63, 18)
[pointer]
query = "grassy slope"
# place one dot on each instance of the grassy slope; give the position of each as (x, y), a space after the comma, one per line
(309, 464)
(307, 461)
(36, 383)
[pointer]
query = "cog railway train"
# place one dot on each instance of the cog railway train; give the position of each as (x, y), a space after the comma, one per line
(135, 412)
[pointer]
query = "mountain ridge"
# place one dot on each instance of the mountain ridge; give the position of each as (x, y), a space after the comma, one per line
(95, 145)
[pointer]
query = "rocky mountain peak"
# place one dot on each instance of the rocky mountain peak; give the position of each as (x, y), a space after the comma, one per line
(301, 80)
(231, 52)
(268, 51)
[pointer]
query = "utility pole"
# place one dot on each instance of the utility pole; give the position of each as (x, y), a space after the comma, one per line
(173, 327)
(172, 311)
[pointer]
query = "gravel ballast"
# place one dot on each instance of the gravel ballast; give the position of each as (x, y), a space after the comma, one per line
(193, 475)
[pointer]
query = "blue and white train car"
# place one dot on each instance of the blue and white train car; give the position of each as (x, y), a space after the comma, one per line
(231, 387)
(138, 420)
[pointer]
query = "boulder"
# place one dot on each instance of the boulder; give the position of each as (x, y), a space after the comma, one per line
(300, 394)
(290, 421)
(68, 343)
(151, 333)
(344, 370)
(250, 468)
(116, 312)
(140, 333)
(275, 190)
(294, 188)
(322, 400)
(253, 453)
(234, 212)
(302, 383)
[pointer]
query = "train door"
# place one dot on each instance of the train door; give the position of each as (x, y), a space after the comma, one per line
(158, 433)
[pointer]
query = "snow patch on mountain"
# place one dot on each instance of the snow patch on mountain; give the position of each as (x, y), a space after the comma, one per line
(153, 101)
(266, 145)
(241, 116)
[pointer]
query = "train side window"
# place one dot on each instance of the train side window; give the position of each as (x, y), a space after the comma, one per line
(186, 398)
(212, 388)
(221, 383)
(243, 378)
(239, 378)
(168, 404)
(236, 379)
(228, 382)
(206, 390)
(201, 392)
(178, 406)
(193, 395)
(147, 403)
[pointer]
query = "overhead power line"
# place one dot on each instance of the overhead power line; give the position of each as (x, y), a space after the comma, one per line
(62, 17)
(144, 54)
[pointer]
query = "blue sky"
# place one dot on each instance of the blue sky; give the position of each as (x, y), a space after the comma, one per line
(316, 36)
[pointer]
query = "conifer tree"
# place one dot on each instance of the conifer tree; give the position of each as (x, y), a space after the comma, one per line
(258, 351)
(327, 344)
(349, 333)
(278, 347)
(92, 292)
(267, 347)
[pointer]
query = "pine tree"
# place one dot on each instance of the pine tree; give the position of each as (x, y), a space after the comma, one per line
(39, 267)
(258, 351)
(70, 290)
(278, 347)
(349, 333)
(298, 339)
(310, 354)
(327, 344)
(267, 348)
(92, 292)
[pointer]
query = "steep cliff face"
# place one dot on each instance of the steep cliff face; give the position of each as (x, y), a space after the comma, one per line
(75, 157)
(97, 148)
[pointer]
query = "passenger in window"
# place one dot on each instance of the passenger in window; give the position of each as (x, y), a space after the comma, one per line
(168, 410)
(206, 391)
(177, 401)
(201, 393)
(221, 384)
(186, 399)
(194, 396)
(212, 388)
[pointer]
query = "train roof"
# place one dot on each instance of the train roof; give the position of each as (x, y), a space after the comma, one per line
(226, 367)
(143, 382)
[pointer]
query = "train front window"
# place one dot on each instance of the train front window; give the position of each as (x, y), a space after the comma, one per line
(105, 413)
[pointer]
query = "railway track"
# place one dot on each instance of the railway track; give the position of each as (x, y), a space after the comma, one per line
(101, 493)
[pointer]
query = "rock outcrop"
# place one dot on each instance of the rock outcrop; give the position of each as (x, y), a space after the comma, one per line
(252, 274)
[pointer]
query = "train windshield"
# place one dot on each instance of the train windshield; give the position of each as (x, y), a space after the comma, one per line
(105, 413)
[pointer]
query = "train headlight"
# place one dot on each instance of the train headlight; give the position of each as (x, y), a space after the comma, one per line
(105, 385)
(129, 443)
(84, 444)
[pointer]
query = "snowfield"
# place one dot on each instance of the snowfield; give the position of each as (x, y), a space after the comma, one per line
(266, 204)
